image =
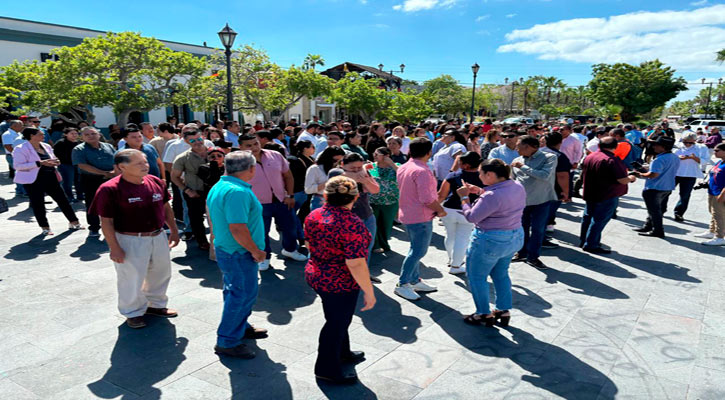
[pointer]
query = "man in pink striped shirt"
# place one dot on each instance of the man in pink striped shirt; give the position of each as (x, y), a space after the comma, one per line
(418, 205)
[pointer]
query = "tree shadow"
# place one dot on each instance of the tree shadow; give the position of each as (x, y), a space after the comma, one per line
(90, 250)
(200, 267)
(258, 378)
(282, 291)
(141, 358)
(36, 246)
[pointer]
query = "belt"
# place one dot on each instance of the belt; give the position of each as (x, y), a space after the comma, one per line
(139, 234)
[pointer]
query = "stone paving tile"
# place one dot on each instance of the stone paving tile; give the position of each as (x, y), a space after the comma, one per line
(646, 321)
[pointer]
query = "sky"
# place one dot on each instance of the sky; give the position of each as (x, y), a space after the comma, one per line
(507, 38)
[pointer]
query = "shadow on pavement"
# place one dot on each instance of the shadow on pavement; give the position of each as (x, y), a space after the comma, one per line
(91, 249)
(36, 246)
(258, 378)
(142, 358)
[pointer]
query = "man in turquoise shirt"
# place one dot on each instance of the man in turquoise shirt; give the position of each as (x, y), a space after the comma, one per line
(236, 221)
(658, 186)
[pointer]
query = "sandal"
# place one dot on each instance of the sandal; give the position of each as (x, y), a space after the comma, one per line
(503, 317)
(473, 319)
(47, 232)
(75, 227)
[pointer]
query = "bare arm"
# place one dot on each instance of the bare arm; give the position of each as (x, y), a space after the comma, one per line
(109, 233)
(171, 223)
(359, 270)
(241, 234)
(444, 190)
(93, 170)
(162, 169)
(562, 178)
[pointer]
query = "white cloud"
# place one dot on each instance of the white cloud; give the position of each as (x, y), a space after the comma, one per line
(482, 17)
(699, 3)
(419, 5)
(686, 40)
(510, 15)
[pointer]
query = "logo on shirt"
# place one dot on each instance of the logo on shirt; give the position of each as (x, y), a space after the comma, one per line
(157, 197)
(134, 199)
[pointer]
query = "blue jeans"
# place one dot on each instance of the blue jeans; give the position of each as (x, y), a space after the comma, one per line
(239, 272)
(490, 253)
(300, 198)
(316, 202)
(420, 235)
(534, 224)
(552, 212)
(595, 218)
(68, 173)
(686, 185)
(372, 226)
(284, 218)
(19, 189)
(187, 223)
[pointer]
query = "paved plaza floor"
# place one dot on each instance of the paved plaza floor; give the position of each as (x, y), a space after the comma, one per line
(646, 322)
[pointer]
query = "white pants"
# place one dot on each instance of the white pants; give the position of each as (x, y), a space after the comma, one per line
(458, 235)
(144, 275)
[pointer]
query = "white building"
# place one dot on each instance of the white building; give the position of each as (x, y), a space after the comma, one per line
(29, 40)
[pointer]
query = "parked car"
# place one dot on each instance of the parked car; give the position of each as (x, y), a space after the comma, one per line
(706, 124)
(519, 120)
(436, 119)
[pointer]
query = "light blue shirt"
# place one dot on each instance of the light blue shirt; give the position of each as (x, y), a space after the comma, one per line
(504, 153)
(666, 165)
(231, 201)
(634, 136)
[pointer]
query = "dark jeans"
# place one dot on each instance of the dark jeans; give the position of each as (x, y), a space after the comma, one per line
(534, 224)
(90, 184)
(197, 207)
(656, 202)
(334, 342)
(239, 272)
(177, 201)
(285, 220)
(596, 216)
(686, 185)
(47, 183)
(71, 178)
(552, 212)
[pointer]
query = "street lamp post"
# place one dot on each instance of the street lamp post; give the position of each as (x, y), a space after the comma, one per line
(227, 36)
(475, 67)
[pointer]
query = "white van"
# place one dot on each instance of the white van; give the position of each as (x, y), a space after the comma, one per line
(706, 124)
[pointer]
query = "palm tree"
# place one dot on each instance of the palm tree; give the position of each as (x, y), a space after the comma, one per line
(720, 56)
(313, 60)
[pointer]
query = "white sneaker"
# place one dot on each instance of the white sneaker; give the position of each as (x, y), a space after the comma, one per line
(263, 266)
(457, 270)
(550, 228)
(295, 255)
(406, 291)
(422, 287)
(715, 242)
(705, 235)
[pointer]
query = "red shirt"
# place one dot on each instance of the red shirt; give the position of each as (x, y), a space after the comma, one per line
(622, 150)
(134, 208)
(335, 234)
(600, 172)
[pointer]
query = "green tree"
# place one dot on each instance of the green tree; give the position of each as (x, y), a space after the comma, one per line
(446, 96)
(406, 107)
(258, 84)
(360, 96)
(637, 89)
(313, 60)
(124, 71)
(487, 99)
(720, 56)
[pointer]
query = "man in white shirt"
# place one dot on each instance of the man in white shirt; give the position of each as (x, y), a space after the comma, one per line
(231, 132)
(10, 139)
(309, 134)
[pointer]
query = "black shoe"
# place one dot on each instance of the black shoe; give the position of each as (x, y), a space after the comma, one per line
(652, 234)
(679, 218)
(350, 379)
(548, 244)
(255, 333)
(597, 250)
(375, 279)
(643, 229)
(241, 351)
(518, 258)
(186, 236)
(353, 357)
(614, 216)
(537, 264)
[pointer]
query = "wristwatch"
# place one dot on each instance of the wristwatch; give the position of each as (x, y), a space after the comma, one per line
(290, 196)
(464, 198)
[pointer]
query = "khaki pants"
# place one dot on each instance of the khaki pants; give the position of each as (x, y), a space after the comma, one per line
(717, 210)
(144, 275)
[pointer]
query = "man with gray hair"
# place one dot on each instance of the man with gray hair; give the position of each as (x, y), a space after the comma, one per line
(688, 172)
(133, 207)
(239, 236)
(9, 138)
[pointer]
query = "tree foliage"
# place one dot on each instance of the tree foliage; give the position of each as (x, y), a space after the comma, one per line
(360, 96)
(636, 88)
(446, 96)
(406, 107)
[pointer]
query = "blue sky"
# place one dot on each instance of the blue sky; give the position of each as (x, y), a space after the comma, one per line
(507, 38)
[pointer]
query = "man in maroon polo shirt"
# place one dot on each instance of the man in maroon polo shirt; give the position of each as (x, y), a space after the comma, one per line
(605, 181)
(133, 208)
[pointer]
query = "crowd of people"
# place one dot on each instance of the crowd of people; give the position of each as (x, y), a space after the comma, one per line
(335, 191)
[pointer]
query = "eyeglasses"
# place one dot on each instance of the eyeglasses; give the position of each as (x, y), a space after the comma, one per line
(688, 143)
(192, 141)
(215, 156)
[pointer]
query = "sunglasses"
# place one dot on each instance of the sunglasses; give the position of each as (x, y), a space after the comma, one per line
(192, 141)
(508, 136)
(34, 122)
(688, 143)
(216, 156)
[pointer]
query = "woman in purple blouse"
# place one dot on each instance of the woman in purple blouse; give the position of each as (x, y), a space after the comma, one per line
(498, 235)
(337, 270)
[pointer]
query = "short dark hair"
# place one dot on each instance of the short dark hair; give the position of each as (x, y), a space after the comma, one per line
(30, 131)
(265, 134)
(170, 117)
(363, 129)
(529, 141)
(619, 132)
(419, 147)
(471, 158)
(166, 127)
(553, 139)
(69, 129)
(245, 137)
(336, 133)
(313, 125)
(352, 157)
(496, 166)
(191, 132)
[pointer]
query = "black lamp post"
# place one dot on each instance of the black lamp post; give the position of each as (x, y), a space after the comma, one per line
(227, 36)
(475, 67)
(402, 67)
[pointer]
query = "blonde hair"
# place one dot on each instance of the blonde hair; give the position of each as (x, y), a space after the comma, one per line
(341, 185)
(399, 128)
